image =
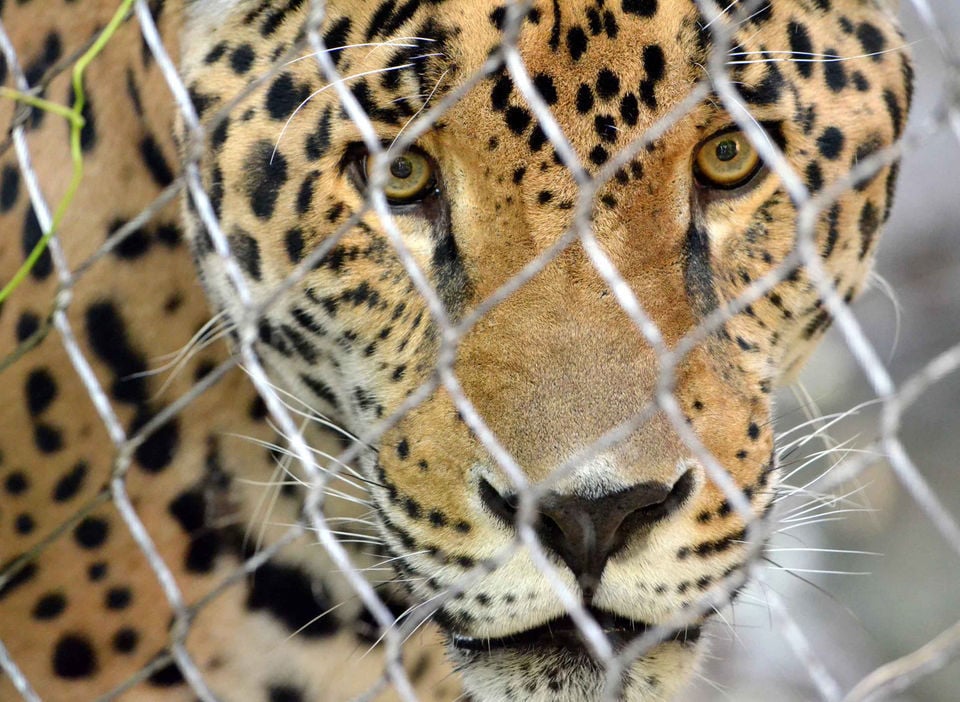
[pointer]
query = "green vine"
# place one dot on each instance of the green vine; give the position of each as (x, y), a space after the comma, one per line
(74, 115)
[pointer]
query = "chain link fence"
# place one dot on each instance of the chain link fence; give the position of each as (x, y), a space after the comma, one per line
(881, 450)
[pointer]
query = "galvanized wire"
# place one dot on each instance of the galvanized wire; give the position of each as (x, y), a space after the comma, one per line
(893, 399)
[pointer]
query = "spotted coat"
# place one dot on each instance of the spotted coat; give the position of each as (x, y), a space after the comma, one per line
(550, 369)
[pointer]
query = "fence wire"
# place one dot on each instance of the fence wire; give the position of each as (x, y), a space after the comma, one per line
(893, 399)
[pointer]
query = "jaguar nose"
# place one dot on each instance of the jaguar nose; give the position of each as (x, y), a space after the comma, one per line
(586, 532)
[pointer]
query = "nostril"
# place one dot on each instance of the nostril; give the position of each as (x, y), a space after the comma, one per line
(650, 510)
(671, 501)
(550, 531)
(503, 507)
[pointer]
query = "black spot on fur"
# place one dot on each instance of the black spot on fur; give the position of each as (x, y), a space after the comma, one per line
(599, 155)
(895, 112)
(833, 231)
(864, 151)
(47, 438)
(9, 188)
(41, 391)
(91, 532)
(16, 483)
(70, 484)
(554, 41)
(500, 93)
(655, 66)
(291, 596)
(319, 139)
(21, 577)
(50, 606)
(189, 509)
(320, 389)
(158, 449)
(169, 234)
(118, 598)
(801, 48)
(219, 136)
(133, 92)
(544, 85)
(24, 524)
(834, 72)
(202, 552)
(584, 100)
(285, 96)
(814, 176)
(201, 102)
(216, 53)
(266, 174)
(88, 132)
(35, 71)
(830, 143)
(818, 324)
(167, 676)
(305, 194)
(241, 59)
(518, 119)
(97, 571)
(872, 40)
(27, 325)
(401, 16)
(125, 640)
(247, 251)
(294, 244)
(629, 109)
(276, 16)
(576, 42)
(606, 127)
(336, 37)
(768, 90)
(608, 84)
(379, 18)
(868, 225)
(133, 245)
(32, 233)
(156, 162)
(641, 8)
(74, 657)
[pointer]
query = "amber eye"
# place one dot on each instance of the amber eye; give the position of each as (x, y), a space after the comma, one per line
(726, 161)
(410, 177)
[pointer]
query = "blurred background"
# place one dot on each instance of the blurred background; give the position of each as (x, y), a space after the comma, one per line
(889, 604)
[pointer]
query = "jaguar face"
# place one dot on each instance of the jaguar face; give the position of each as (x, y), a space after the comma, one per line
(558, 387)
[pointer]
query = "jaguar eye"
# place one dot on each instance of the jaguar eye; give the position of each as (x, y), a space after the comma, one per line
(410, 177)
(726, 161)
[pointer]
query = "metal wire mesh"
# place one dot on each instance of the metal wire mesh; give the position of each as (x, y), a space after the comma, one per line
(893, 398)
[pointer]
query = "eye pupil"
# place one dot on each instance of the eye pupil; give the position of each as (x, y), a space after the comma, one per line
(401, 168)
(727, 150)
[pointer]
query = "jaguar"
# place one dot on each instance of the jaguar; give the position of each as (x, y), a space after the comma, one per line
(534, 268)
